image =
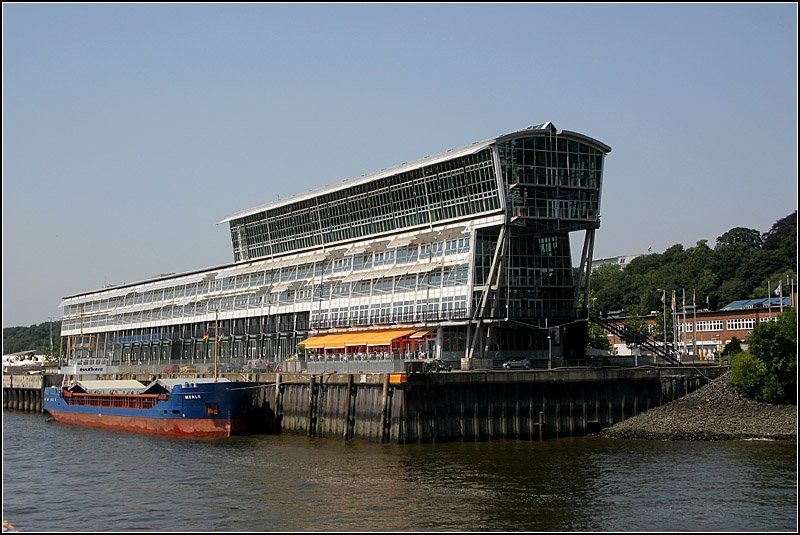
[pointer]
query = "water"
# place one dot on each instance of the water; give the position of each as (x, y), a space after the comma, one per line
(65, 478)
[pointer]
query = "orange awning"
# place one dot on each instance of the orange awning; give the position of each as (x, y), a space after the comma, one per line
(376, 338)
(329, 341)
(421, 334)
(382, 337)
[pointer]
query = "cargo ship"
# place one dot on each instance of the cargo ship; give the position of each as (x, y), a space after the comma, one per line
(201, 407)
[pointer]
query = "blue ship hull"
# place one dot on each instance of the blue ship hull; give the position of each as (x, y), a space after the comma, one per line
(189, 409)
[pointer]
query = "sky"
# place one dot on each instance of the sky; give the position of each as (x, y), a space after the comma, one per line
(131, 130)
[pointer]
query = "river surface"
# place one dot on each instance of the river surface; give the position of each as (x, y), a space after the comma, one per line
(60, 478)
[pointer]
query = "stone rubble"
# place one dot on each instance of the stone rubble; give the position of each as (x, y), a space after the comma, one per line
(712, 412)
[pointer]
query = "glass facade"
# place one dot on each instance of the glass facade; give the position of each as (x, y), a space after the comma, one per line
(448, 190)
(551, 178)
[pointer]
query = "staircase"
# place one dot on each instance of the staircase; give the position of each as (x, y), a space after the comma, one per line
(635, 337)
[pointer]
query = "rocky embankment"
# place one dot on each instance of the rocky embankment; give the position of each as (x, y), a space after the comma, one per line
(713, 412)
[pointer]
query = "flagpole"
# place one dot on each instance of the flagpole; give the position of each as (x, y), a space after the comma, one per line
(694, 324)
(675, 325)
(216, 343)
(769, 297)
(684, 321)
(780, 287)
(664, 303)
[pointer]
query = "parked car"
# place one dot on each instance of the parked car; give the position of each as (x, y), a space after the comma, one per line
(437, 365)
(517, 363)
(171, 369)
(188, 369)
(223, 367)
(257, 365)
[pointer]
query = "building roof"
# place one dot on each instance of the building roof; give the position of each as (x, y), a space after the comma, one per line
(621, 261)
(410, 166)
(758, 303)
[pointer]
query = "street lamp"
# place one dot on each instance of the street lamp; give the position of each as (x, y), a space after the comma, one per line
(664, 302)
(549, 347)
(50, 321)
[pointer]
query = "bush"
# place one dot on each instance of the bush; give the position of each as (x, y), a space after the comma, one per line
(775, 344)
(769, 371)
(748, 375)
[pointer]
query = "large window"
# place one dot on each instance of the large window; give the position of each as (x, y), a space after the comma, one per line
(447, 190)
(550, 177)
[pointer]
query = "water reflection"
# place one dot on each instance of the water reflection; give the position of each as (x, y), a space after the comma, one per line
(84, 479)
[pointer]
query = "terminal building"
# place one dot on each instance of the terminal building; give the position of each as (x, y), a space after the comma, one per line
(463, 256)
(701, 335)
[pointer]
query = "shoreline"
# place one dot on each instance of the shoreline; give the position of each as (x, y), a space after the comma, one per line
(714, 412)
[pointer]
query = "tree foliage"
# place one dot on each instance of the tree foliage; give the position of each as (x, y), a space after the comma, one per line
(35, 337)
(734, 347)
(775, 344)
(747, 375)
(598, 337)
(768, 371)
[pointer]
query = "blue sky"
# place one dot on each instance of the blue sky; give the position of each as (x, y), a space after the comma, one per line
(130, 130)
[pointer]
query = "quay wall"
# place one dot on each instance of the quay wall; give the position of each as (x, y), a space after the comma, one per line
(440, 407)
(536, 405)
(26, 392)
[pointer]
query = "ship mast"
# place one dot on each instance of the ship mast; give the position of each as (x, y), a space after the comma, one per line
(216, 343)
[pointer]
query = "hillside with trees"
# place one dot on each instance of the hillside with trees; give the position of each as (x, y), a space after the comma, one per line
(743, 264)
(36, 337)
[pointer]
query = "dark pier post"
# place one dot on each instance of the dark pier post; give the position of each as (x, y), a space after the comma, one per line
(313, 398)
(349, 415)
(279, 388)
(386, 420)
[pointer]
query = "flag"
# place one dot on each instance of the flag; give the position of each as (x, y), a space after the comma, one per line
(674, 305)
(205, 336)
(779, 289)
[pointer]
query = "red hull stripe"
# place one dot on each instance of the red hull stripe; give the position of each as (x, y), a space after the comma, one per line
(203, 427)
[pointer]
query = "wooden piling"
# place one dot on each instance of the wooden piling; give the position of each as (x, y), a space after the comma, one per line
(385, 418)
(313, 396)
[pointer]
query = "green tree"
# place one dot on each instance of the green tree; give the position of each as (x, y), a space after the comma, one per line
(740, 235)
(734, 347)
(775, 344)
(598, 337)
(607, 290)
(781, 239)
(768, 372)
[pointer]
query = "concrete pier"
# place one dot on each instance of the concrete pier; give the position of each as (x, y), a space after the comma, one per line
(26, 392)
